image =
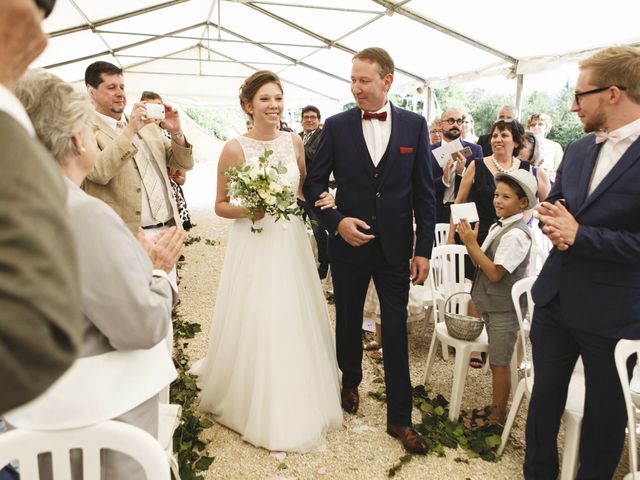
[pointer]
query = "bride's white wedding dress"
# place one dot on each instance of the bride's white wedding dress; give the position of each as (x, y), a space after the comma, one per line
(271, 372)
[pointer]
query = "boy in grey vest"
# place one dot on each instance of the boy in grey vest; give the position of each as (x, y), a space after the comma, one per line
(502, 260)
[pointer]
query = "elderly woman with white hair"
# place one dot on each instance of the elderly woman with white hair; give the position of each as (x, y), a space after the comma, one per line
(127, 297)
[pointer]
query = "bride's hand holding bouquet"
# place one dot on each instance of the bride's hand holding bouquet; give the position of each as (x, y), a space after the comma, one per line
(263, 190)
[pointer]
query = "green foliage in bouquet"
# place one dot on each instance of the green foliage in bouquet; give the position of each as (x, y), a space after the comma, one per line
(262, 188)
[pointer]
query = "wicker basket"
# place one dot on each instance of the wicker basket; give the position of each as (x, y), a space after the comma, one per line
(462, 327)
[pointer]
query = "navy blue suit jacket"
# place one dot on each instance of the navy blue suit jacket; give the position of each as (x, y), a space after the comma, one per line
(404, 190)
(597, 278)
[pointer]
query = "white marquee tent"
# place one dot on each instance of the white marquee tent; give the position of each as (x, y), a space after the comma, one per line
(200, 50)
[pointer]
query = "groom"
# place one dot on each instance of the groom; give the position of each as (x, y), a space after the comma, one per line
(379, 155)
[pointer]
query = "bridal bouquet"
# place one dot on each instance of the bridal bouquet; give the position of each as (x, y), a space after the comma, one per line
(262, 187)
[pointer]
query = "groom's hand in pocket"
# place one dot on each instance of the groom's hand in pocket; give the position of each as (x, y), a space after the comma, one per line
(350, 229)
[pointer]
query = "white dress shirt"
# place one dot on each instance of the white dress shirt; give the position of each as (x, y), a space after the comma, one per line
(513, 247)
(377, 134)
(612, 151)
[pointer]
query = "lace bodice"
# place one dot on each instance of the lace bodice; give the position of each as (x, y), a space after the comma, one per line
(282, 148)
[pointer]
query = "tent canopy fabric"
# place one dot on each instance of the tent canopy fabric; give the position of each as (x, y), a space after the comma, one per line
(201, 50)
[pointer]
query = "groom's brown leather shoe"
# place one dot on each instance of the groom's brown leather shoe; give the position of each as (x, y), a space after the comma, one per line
(411, 440)
(350, 399)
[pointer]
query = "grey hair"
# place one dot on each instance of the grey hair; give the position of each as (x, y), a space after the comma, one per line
(56, 109)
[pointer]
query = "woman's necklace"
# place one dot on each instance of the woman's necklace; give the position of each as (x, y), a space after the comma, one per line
(501, 168)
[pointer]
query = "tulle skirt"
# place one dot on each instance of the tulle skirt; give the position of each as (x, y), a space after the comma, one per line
(271, 372)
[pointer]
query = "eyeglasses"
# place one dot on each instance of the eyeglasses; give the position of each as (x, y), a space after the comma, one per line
(309, 117)
(577, 95)
(451, 121)
(435, 131)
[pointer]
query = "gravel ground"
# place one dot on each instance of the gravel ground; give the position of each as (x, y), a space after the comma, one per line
(360, 450)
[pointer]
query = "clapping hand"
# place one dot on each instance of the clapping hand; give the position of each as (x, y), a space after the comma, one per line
(559, 225)
(164, 249)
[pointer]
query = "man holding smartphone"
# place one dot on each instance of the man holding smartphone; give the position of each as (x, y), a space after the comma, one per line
(447, 179)
(130, 171)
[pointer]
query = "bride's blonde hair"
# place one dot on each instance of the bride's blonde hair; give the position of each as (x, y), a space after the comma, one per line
(252, 84)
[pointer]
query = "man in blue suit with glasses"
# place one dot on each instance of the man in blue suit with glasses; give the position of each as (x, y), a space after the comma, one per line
(588, 293)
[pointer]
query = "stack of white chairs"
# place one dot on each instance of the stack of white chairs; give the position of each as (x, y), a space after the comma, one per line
(24, 446)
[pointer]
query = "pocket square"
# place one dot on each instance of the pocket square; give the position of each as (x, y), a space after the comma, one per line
(406, 150)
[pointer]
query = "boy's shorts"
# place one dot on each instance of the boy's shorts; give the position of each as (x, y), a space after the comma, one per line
(502, 330)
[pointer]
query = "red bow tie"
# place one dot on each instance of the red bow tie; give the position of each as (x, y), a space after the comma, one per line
(382, 116)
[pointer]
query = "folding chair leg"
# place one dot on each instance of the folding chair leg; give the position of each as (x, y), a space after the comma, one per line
(430, 357)
(513, 411)
(173, 464)
(571, 447)
(461, 366)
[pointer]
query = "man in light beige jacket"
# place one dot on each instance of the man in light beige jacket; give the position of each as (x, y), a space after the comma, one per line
(130, 174)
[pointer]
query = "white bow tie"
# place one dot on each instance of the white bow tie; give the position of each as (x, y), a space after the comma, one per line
(613, 137)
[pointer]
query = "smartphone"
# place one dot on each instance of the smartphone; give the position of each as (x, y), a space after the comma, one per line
(155, 111)
(466, 151)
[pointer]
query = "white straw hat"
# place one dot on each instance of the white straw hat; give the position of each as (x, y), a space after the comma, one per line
(527, 182)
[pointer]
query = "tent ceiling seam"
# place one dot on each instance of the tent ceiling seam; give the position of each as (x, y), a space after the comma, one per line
(116, 18)
(416, 17)
(329, 43)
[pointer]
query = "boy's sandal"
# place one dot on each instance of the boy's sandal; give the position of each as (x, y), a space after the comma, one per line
(476, 362)
(372, 345)
(476, 418)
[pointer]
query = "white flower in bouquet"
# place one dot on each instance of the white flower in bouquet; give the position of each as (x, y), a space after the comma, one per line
(262, 188)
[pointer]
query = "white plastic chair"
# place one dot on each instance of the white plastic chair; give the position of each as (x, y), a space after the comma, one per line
(441, 234)
(168, 421)
(25, 446)
(446, 277)
(537, 257)
(624, 349)
(575, 398)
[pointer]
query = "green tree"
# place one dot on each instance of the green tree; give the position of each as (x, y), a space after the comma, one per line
(483, 108)
(535, 103)
(566, 125)
(222, 123)
(452, 96)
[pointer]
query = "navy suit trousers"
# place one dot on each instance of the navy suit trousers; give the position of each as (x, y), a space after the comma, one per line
(350, 284)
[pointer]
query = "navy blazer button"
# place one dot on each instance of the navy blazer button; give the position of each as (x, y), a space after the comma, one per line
(373, 217)
(378, 194)
(375, 175)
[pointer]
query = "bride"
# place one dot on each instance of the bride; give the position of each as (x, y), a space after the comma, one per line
(270, 372)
